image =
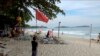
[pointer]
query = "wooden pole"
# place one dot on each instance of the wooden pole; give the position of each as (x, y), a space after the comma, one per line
(52, 32)
(90, 34)
(58, 28)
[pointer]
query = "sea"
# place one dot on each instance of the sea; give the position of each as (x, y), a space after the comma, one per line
(78, 31)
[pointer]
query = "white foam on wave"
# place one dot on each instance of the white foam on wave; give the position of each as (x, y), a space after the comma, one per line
(71, 32)
(79, 33)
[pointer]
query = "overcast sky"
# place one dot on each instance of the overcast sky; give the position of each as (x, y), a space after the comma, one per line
(77, 13)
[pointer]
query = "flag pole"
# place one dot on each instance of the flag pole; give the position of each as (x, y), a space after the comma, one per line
(36, 21)
(90, 35)
(36, 25)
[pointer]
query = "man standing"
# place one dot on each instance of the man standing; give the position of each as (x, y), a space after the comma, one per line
(34, 46)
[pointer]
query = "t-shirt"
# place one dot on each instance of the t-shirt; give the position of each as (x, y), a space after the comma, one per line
(34, 45)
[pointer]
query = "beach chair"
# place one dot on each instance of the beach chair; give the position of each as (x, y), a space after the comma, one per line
(2, 54)
(4, 51)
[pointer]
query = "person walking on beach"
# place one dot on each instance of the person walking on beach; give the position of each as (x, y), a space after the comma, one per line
(98, 38)
(34, 46)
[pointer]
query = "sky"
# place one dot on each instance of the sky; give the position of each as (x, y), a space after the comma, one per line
(78, 12)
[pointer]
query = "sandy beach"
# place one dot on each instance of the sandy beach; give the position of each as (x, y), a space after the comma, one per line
(50, 28)
(73, 47)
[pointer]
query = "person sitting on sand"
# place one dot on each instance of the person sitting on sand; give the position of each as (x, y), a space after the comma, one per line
(49, 34)
(98, 38)
(13, 32)
(34, 46)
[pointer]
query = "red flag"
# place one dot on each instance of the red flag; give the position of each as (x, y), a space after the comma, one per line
(40, 16)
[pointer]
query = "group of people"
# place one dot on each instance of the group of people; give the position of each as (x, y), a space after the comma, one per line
(15, 32)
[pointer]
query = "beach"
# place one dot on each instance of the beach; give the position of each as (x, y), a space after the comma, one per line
(49, 28)
(74, 46)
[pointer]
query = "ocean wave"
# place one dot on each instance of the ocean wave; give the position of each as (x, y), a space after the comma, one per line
(73, 32)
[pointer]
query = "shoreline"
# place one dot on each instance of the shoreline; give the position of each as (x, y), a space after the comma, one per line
(81, 35)
(71, 38)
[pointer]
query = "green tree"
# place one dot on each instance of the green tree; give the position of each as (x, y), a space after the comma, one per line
(14, 8)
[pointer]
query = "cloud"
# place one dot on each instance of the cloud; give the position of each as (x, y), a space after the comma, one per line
(77, 13)
(88, 12)
(75, 20)
(70, 5)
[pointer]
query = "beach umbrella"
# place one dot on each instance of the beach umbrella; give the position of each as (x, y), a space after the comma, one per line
(19, 20)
